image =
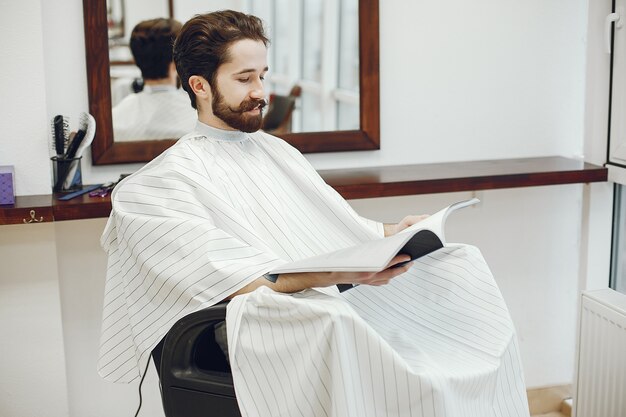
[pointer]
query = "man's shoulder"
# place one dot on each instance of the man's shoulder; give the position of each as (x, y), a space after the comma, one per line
(180, 162)
(127, 103)
(191, 147)
(283, 151)
(274, 142)
(261, 134)
(187, 152)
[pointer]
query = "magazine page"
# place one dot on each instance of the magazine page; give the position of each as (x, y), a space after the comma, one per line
(437, 221)
(374, 255)
(369, 256)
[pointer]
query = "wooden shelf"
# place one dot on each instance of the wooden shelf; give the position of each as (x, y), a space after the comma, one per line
(20, 211)
(364, 183)
(461, 176)
(83, 207)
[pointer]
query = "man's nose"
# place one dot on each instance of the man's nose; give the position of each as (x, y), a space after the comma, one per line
(257, 91)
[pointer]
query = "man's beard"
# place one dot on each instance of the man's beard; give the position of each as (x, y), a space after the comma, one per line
(236, 118)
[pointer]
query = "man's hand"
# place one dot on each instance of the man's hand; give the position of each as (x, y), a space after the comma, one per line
(408, 221)
(372, 278)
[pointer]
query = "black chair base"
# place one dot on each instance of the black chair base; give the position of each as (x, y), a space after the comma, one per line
(194, 373)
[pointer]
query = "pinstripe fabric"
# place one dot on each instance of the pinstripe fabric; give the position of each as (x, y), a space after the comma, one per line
(437, 341)
(158, 112)
(213, 213)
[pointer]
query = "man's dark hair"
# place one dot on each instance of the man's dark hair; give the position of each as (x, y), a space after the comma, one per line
(202, 45)
(151, 44)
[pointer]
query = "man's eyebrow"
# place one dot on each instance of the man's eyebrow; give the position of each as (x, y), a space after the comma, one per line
(247, 70)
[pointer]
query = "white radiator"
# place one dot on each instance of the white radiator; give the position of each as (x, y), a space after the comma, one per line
(601, 374)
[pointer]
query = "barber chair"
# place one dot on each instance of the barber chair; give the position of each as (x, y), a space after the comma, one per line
(277, 120)
(195, 376)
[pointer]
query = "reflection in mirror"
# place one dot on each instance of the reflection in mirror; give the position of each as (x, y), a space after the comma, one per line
(315, 45)
(314, 53)
(346, 99)
(147, 103)
(151, 106)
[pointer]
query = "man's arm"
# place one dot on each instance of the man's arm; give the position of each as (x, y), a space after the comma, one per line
(290, 283)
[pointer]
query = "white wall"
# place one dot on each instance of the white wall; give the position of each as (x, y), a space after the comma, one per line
(82, 265)
(494, 79)
(24, 138)
(32, 360)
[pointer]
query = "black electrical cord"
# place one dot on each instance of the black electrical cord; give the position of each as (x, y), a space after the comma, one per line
(145, 371)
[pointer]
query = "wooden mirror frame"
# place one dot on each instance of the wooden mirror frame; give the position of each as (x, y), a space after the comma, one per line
(105, 151)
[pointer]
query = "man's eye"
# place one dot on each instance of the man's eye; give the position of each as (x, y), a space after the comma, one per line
(262, 78)
(244, 80)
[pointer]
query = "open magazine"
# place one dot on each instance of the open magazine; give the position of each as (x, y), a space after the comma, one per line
(418, 240)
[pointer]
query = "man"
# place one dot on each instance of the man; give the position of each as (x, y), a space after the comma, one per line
(160, 110)
(209, 218)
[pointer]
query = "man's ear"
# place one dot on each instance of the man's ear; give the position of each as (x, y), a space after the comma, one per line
(201, 88)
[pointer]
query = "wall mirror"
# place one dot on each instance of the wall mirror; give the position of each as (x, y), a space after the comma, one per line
(350, 122)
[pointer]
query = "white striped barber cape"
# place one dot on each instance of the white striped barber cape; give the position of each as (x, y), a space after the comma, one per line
(213, 213)
(220, 209)
(436, 341)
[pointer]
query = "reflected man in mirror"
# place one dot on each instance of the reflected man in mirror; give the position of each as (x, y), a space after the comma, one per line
(160, 110)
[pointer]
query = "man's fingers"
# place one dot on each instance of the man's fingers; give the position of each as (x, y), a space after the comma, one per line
(411, 220)
(393, 272)
(400, 269)
(398, 259)
(383, 277)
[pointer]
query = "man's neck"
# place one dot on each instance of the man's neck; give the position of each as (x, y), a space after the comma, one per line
(159, 82)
